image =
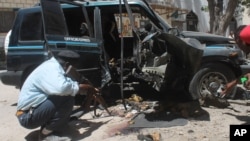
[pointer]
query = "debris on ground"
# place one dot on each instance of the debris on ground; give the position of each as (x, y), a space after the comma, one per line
(135, 105)
(155, 136)
(211, 100)
(135, 98)
(241, 96)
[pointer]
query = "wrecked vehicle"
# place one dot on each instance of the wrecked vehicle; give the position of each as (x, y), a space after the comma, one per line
(107, 36)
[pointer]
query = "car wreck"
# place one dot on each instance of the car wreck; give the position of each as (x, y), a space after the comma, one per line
(109, 36)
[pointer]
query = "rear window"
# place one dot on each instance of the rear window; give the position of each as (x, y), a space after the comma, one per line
(31, 27)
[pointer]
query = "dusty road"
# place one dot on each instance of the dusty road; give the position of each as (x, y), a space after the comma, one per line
(213, 127)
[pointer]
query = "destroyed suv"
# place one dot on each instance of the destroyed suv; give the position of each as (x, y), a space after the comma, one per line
(109, 37)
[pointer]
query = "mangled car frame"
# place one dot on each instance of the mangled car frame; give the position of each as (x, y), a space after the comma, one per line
(116, 47)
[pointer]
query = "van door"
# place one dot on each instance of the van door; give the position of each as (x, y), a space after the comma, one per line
(63, 25)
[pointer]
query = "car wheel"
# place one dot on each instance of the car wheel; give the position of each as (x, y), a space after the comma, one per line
(210, 79)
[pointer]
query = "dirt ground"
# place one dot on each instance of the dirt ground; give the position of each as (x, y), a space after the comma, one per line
(213, 126)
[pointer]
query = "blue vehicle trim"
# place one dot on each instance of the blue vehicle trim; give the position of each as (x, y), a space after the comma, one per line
(74, 43)
(25, 47)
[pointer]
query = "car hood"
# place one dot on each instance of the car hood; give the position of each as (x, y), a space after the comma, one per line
(207, 37)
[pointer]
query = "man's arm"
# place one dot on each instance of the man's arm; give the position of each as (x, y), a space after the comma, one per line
(87, 89)
(228, 87)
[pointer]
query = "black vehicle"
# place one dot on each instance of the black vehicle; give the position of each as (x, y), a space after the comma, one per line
(113, 44)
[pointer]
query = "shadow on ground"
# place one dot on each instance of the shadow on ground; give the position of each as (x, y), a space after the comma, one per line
(72, 130)
(166, 119)
(245, 119)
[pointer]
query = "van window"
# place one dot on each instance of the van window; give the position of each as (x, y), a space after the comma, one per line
(112, 21)
(31, 28)
(75, 20)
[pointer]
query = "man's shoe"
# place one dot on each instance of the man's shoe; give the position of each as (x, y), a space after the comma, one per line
(52, 137)
(77, 113)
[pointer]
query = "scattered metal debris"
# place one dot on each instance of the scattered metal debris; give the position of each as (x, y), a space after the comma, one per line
(155, 136)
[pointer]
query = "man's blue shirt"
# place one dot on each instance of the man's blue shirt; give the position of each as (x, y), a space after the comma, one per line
(47, 79)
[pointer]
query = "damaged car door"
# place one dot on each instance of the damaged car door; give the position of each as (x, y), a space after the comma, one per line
(67, 26)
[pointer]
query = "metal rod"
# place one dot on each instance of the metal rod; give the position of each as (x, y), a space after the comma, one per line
(122, 46)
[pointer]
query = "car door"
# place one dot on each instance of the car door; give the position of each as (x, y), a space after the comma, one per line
(61, 32)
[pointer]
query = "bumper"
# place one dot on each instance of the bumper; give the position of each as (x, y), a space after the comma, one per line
(12, 78)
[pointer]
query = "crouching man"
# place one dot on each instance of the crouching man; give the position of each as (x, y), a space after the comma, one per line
(46, 98)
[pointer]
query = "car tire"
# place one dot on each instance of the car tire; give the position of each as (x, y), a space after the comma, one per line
(209, 79)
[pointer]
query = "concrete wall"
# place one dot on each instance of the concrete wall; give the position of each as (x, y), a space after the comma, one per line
(13, 5)
(17, 3)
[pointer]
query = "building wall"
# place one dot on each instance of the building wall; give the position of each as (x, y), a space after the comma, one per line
(10, 4)
(182, 8)
(200, 8)
(196, 6)
(246, 17)
(8, 9)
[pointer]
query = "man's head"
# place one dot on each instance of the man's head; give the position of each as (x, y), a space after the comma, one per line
(68, 57)
(242, 38)
(84, 29)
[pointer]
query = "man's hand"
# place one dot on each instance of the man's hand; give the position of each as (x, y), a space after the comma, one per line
(87, 89)
(92, 94)
(228, 87)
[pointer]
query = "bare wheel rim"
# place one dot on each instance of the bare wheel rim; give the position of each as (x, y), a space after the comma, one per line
(211, 82)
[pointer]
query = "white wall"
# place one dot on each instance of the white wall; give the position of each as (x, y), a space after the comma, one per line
(195, 6)
(203, 15)
(246, 17)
